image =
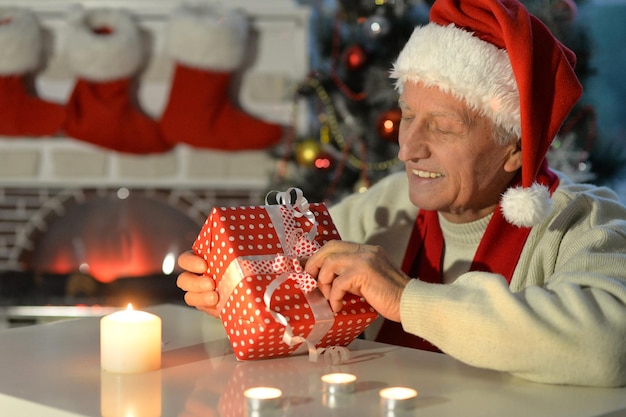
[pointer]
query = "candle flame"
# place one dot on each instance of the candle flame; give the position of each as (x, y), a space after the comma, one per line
(129, 307)
(263, 393)
(398, 393)
(339, 378)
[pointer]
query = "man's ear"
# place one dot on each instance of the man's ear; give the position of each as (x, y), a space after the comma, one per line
(514, 161)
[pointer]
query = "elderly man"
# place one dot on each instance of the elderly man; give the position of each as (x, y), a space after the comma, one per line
(490, 257)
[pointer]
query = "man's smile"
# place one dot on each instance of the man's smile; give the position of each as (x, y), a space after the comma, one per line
(425, 174)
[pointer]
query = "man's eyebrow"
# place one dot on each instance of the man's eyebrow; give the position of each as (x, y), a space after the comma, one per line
(440, 111)
(451, 114)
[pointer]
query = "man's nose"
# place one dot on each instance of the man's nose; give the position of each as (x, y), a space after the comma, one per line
(413, 145)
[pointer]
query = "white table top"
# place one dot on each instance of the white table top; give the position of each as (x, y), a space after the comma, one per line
(53, 370)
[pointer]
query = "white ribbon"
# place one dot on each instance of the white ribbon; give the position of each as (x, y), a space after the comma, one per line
(300, 206)
(322, 313)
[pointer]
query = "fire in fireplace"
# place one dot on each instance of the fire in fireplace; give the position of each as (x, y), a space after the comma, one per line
(114, 236)
(106, 246)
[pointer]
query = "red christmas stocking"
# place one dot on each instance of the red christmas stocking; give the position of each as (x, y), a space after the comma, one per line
(104, 50)
(208, 44)
(22, 113)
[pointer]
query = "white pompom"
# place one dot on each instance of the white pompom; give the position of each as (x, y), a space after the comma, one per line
(526, 207)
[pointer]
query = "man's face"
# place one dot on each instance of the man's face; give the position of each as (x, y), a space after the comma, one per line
(452, 161)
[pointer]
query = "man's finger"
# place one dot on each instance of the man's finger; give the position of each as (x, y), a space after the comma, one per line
(337, 292)
(201, 299)
(188, 281)
(313, 264)
(191, 262)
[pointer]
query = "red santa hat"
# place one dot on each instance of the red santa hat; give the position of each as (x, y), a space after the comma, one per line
(505, 63)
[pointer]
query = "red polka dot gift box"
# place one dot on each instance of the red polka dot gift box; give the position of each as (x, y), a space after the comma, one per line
(269, 306)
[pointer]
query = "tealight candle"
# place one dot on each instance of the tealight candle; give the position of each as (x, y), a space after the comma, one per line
(130, 341)
(263, 399)
(338, 383)
(397, 398)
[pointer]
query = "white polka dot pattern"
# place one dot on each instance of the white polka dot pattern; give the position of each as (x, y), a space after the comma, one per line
(233, 233)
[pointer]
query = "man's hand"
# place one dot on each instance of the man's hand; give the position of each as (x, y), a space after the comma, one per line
(364, 270)
(199, 289)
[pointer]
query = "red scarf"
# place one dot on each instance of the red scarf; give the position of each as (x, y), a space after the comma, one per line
(498, 252)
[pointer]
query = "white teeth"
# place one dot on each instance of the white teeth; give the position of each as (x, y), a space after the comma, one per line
(426, 174)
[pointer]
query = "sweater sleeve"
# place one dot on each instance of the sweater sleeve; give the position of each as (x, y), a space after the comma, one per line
(562, 320)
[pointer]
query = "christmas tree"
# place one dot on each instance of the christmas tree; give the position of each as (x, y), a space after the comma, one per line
(345, 115)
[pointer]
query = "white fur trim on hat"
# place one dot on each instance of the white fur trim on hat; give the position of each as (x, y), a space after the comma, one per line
(459, 63)
(207, 36)
(526, 207)
(20, 41)
(103, 57)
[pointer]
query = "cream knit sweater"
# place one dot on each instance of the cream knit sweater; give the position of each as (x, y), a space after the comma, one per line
(563, 317)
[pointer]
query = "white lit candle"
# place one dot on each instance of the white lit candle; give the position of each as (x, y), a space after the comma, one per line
(130, 341)
(338, 383)
(397, 398)
(262, 399)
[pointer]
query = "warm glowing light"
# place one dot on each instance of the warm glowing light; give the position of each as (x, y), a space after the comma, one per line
(169, 262)
(263, 393)
(322, 163)
(84, 268)
(339, 383)
(263, 398)
(130, 341)
(338, 378)
(308, 154)
(398, 393)
(397, 398)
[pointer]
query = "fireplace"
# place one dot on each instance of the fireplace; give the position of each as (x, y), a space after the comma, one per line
(85, 251)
